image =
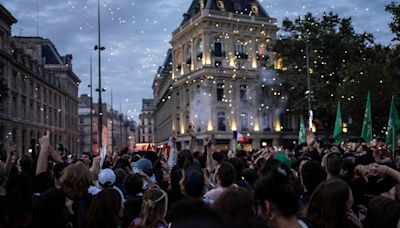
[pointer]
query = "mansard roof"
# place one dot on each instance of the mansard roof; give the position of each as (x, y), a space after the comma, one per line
(50, 53)
(234, 6)
(7, 16)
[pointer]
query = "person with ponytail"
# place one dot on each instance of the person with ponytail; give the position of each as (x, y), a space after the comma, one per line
(277, 197)
(154, 209)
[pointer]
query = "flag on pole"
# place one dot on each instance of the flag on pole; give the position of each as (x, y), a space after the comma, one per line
(302, 131)
(103, 154)
(239, 137)
(393, 126)
(366, 132)
(337, 133)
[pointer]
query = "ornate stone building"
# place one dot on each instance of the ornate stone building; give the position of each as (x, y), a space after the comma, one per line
(43, 90)
(213, 75)
(146, 122)
(119, 131)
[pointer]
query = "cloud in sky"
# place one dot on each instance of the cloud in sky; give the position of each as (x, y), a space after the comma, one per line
(136, 34)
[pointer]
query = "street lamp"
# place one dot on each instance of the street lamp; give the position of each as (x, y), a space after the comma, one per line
(310, 112)
(99, 48)
(91, 107)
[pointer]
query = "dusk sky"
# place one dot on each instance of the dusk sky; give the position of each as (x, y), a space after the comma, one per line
(136, 34)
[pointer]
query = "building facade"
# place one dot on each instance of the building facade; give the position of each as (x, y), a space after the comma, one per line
(119, 131)
(146, 122)
(43, 91)
(213, 75)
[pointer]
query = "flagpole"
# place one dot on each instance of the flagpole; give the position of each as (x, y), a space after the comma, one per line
(393, 136)
(370, 129)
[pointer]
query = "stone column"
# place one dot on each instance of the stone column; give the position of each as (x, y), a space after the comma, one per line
(252, 52)
(206, 49)
(194, 55)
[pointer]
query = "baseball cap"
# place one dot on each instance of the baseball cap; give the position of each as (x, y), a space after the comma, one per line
(145, 165)
(282, 157)
(107, 177)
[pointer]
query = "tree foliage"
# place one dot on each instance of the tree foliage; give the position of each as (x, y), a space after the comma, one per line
(344, 65)
(394, 9)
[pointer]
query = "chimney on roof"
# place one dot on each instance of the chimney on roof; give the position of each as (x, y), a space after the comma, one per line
(196, 9)
(68, 60)
(186, 16)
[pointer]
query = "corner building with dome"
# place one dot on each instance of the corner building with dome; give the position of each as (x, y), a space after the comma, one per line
(213, 76)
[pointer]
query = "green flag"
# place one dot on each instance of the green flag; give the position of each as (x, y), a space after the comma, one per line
(366, 132)
(337, 133)
(302, 131)
(393, 126)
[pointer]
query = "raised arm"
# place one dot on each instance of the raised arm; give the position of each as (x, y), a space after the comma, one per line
(384, 170)
(10, 152)
(43, 154)
(208, 144)
(173, 153)
(56, 156)
(193, 139)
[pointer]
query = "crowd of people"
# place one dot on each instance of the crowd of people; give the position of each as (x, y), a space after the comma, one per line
(313, 185)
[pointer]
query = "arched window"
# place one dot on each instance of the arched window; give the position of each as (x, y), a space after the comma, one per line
(244, 121)
(221, 121)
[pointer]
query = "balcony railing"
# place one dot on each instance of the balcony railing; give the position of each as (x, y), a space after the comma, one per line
(218, 53)
(241, 55)
(262, 57)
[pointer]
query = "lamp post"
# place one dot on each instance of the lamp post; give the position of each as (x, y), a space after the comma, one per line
(310, 112)
(112, 123)
(99, 48)
(91, 107)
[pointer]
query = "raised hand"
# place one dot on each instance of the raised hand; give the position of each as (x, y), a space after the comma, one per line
(10, 149)
(209, 140)
(310, 137)
(45, 140)
(191, 131)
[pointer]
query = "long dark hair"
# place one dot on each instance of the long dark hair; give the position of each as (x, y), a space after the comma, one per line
(327, 207)
(236, 207)
(49, 209)
(104, 210)
(382, 207)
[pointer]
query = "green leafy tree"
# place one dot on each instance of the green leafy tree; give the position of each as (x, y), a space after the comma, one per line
(394, 9)
(337, 57)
